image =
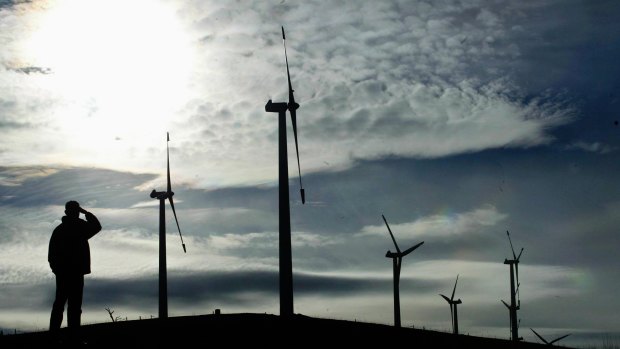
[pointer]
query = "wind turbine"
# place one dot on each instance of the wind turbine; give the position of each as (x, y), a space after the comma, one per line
(545, 341)
(453, 309)
(515, 303)
(285, 253)
(397, 259)
(163, 276)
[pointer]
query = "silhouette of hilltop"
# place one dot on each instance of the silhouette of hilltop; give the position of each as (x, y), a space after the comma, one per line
(254, 330)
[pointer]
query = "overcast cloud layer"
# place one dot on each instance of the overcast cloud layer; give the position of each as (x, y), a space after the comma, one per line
(457, 120)
(433, 79)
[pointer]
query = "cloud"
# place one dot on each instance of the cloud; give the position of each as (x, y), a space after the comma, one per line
(434, 80)
(14, 176)
(443, 226)
(40, 185)
(32, 70)
(595, 147)
(10, 3)
(352, 103)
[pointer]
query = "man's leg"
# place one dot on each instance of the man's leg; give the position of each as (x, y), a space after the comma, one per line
(74, 309)
(58, 308)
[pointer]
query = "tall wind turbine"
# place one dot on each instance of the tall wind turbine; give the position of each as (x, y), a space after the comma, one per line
(453, 309)
(515, 303)
(285, 253)
(397, 259)
(545, 341)
(163, 275)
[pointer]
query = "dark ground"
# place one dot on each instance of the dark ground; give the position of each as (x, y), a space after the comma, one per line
(252, 330)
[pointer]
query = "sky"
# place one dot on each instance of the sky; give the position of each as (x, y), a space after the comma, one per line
(457, 120)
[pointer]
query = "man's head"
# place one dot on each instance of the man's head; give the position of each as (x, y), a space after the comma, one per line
(72, 209)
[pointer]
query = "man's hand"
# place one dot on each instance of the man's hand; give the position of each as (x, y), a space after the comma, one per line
(83, 210)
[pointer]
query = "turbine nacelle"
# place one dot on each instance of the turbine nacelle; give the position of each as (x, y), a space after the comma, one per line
(402, 254)
(271, 107)
(161, 194)
(458, 301)
(293, 106)
(451, 299)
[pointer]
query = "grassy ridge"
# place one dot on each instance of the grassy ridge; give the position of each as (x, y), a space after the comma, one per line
(254, 331)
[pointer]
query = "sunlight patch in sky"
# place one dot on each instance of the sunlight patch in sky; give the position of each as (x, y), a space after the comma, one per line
(118, 70)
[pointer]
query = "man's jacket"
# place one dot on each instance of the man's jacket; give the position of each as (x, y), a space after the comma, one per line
(69, 252)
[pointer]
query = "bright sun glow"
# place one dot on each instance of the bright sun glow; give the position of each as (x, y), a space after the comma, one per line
(123, 66)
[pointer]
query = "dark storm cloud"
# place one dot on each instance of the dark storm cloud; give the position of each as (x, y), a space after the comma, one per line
(231, 287)
(33, 296)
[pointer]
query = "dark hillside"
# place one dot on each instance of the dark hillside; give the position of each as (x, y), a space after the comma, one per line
(253, 330)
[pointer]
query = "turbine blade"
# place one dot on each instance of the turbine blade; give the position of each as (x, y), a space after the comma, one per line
(168, 161)
(292, 107)
(291, 97)
(392, 235)
(447, 299)
(294, 122)
(454, 289)
(559, 338)
(520, 253)
(539, 336)
(506, 304)
(177, 221)
(411, 249)
(513, 250)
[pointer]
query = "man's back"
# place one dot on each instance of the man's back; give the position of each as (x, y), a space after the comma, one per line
(69, 252)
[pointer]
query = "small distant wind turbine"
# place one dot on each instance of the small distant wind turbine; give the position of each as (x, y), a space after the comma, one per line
(545, 341)
(397, 259)
(162, 196)
(285, 253)
(453, 309)
(515, 303)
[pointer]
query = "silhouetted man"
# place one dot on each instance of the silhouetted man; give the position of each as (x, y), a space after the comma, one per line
(69, 258)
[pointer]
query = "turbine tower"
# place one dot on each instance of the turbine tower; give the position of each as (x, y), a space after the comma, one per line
(397, 259)
(453, 309)
(162, 196)
(515, 302)
(545, 341)
(285, 253)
